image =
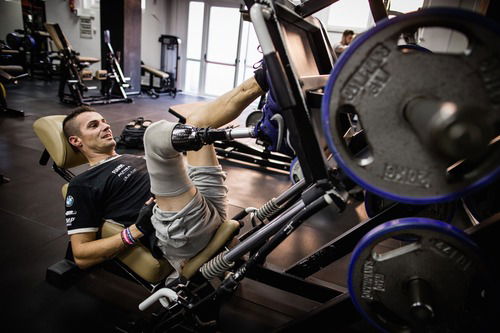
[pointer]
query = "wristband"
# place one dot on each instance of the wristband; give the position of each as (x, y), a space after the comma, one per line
(129, 234)
(125, 238)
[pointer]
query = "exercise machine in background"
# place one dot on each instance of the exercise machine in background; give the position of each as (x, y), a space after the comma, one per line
(35, 54)
(163, 81)
(74, 72)
(9, 75)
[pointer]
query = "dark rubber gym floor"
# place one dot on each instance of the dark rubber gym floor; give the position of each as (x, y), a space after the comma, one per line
(33, 233)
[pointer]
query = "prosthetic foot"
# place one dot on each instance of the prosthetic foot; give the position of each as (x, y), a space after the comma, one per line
(186, 137)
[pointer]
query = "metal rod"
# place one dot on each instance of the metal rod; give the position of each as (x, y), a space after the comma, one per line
(378, 10)
(346, 242)
(265, 232)
(290, 192)
(454, 132)
(419, 292)
(310, 7)
(236, 133)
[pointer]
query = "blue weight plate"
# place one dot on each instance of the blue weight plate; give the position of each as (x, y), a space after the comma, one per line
(443, 258)
(405, 180)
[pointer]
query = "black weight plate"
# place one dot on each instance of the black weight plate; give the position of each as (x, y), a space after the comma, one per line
(374, 80)
(485, 202)
(442, 256)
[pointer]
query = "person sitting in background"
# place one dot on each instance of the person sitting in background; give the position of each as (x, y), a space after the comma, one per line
(190, 201)
(347, 37)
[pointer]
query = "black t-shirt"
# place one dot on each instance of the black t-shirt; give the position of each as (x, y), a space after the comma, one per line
(114, 189)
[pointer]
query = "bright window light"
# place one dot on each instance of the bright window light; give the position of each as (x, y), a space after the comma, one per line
(223, 34)
(405, 6)
(349, 14)
(195, 29)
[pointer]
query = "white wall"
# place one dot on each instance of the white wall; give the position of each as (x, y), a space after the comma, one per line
(11, 17)
(58, 12)
(177, 25)
(155, 19)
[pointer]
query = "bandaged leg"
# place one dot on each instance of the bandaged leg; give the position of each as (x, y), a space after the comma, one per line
(166, 167)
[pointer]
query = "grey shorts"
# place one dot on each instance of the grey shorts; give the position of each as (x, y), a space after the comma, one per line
(181, 235)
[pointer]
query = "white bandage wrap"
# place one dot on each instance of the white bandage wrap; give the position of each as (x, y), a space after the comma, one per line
(166, 166)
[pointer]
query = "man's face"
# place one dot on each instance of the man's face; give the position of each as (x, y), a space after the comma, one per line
(348, 39)
(95, 134)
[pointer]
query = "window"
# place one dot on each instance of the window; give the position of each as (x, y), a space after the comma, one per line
(250, 52)
(349, 14)
(404, 6)
(195, 29)
(193, 47)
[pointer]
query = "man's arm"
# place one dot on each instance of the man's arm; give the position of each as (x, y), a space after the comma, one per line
(89, 251)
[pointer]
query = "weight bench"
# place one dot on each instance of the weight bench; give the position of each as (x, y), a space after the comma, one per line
(165, 87)
(138, 260)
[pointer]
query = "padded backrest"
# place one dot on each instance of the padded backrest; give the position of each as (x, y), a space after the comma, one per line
(49, 131)
(57, 36)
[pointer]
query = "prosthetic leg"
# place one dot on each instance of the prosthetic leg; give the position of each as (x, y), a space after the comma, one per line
(186, 137)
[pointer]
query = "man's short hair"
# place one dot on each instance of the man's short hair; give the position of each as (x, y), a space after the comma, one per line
(347, 33)
(69, 126)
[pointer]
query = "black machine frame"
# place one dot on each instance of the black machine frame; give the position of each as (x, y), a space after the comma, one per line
(113, 85)
(321, 186)
(168, 73)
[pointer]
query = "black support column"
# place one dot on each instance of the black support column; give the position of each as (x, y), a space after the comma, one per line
(123, 19)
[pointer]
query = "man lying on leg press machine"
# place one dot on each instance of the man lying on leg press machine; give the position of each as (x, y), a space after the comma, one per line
(190, 203)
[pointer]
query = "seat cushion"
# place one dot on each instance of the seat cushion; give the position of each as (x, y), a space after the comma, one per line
(141, 262)
(222, 236)
(12, 69)
(155, 72)
(139, 258)
(90, 60)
